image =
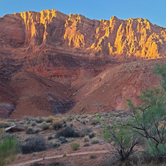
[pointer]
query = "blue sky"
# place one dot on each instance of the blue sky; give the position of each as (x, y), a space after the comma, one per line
(153, 10)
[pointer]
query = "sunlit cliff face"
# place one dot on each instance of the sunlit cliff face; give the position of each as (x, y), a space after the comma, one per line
(132, 37)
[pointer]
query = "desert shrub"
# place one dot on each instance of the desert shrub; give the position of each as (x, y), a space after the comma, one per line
(86, 139)
(122, 136)
(22, 122)
(34, 144)
(85, 131)
(44, 126)
(29, 122)
(91, 135)
(57, 123)
(94, 121)
(62, 140)
(75, 145)
(71, 123)
(95, 140)
(39, 120)
(49, 119)
(63, 119)
(8, 148)
(55, 144)
(50, 137)
(92, 156)
(3, 124)
(28, 118)
(33, 124)
(30, 130)
(67, 132)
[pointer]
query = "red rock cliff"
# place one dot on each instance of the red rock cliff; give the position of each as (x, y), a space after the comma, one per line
(136, 38)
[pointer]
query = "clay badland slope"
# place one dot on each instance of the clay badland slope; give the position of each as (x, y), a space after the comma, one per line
(73, 50)
(110, 89)
(28, 94)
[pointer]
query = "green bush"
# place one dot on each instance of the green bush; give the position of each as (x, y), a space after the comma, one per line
(149, 121)
(8, 148)
(75, 145)
(121, 135)
(150, 118)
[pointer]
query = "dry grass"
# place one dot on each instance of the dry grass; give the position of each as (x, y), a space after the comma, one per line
(44, 126)
(49, 119)
(3, 124)
(57, 123)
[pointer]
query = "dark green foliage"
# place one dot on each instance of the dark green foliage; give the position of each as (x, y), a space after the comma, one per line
(75, 145)
(8, 148)
(161, 70)
(149, 121)
(34, 144)
(150, 117)
(123, 138)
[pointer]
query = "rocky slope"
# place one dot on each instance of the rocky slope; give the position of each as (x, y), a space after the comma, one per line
(110, 89)
(33, 95)
(73, 50)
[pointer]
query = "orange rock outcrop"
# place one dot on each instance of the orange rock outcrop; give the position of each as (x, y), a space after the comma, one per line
(132, 37)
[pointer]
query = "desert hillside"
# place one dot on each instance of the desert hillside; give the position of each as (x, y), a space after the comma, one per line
(51, 62)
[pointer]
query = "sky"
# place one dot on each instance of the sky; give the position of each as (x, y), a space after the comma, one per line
(153, 10)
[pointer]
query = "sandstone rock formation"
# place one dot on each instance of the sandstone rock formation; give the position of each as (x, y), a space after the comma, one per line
(132, 37)
(73, 50)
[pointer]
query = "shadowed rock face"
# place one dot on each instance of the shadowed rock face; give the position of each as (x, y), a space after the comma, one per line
(6, 109)
(73, 50)
(36, 96)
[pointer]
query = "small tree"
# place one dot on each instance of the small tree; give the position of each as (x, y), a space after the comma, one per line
(122, 137)
(149, 121)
